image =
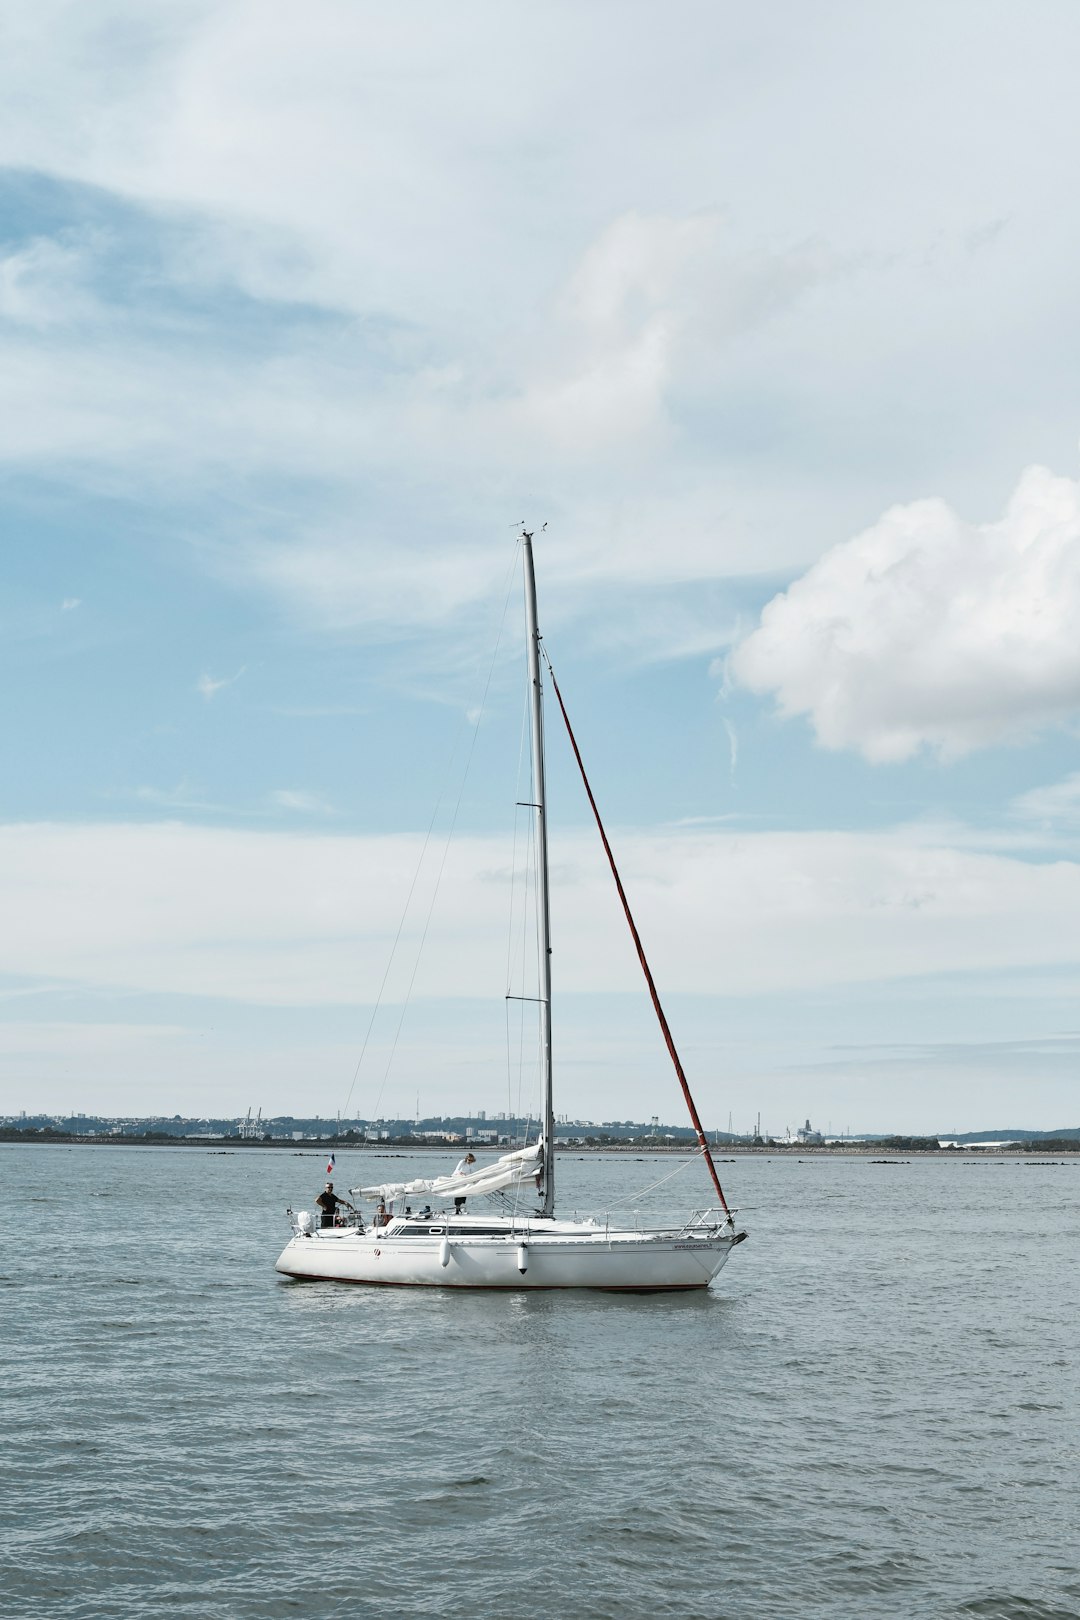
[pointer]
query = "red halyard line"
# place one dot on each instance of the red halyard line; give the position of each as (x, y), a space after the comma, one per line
(680, 1072)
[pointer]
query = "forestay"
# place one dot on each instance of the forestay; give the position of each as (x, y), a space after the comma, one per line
(512, 1170)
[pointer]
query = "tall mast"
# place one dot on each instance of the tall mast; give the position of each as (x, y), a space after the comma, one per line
(536, 703)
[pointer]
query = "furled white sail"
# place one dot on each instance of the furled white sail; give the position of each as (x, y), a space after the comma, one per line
(512, 1170)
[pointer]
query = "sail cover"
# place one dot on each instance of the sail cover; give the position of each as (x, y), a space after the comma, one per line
(512, 1170)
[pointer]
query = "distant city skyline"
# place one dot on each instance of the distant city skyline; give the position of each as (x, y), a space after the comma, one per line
(483, 1130)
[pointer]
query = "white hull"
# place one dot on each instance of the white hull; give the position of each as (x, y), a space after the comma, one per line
(556, 1254)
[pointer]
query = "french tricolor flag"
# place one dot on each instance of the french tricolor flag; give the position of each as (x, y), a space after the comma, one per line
(330, 1165)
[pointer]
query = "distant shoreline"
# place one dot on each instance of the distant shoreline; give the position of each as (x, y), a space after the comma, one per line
(776, 1150)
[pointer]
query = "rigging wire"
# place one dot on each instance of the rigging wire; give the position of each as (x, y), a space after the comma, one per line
(397, 936)
(449, 838)
(423, 855)
(514, 1112)
(524, 878)
(680, 1073)
(641, 1192)
(521, 1001)
(514, 872)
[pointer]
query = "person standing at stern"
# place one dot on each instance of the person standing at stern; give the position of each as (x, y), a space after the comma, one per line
(462, 1169)
(329, 1203)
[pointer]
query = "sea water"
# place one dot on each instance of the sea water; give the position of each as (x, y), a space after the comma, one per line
(873, 1412)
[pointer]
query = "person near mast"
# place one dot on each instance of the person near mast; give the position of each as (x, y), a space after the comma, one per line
(329, 1203)
(462, 1169)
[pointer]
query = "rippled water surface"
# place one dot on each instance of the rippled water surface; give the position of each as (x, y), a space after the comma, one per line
(872, 1413)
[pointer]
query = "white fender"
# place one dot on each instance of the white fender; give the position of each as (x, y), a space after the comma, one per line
(444, 1252)
(522, 1258)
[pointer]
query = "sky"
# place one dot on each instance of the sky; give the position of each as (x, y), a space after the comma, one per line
(770, 314)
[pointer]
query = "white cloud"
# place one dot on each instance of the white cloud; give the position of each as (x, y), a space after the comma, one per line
(70, 603)
(620, 292)
(583, 394)
(305, 920)
(643, 319)
(929, 632)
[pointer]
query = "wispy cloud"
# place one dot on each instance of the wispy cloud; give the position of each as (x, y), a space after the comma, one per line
(1056, 806)
(41, 282)
(70, 603)
(183, 796)
(302, 802)
(209, 685)
(733, 744)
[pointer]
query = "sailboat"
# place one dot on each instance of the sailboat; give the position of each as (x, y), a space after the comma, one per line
(519, 1242)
